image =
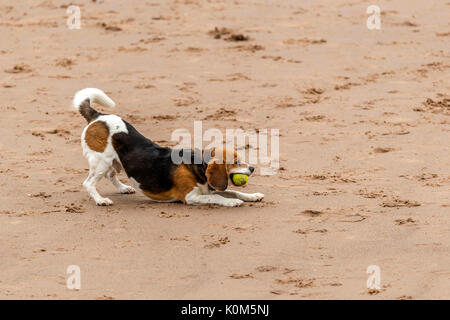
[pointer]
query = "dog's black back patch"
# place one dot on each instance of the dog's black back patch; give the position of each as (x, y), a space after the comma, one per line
(143, 160)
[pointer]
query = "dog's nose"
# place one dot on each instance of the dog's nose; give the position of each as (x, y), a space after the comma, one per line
(251, 169)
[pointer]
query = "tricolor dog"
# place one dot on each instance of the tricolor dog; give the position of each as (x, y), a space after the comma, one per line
(110, 144)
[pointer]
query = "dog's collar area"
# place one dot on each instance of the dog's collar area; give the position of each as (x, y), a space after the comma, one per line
(206, 157)
(199, 170)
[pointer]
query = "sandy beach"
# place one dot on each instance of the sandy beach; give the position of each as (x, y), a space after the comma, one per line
(364, 126)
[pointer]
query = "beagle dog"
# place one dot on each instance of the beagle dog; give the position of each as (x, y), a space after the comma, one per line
(110, 144)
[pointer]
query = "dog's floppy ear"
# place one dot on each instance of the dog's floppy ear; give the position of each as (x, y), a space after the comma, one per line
(216, 174)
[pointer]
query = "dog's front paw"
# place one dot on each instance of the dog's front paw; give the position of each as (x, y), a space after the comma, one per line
(233, 203)
(254, 197)
(127, 190)
(105, 202)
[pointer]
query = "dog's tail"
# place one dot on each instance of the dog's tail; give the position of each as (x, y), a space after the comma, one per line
(82, 102)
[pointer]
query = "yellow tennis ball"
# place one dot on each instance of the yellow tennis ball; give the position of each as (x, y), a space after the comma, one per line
(240, 179)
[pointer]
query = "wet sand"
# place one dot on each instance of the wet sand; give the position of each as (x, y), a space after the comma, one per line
(364, 149)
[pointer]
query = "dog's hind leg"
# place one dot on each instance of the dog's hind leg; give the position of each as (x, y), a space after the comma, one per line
(97, 170)
(122, 188)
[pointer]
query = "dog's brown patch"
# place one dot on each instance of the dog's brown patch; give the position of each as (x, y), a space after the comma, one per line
(162, 196)
(217, 175)
(225, 156)
(184, 182)
(96, 136)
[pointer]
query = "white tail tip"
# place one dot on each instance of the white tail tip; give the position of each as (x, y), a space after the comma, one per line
(94, 95)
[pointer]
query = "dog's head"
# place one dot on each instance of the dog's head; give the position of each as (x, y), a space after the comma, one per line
(222, 164)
